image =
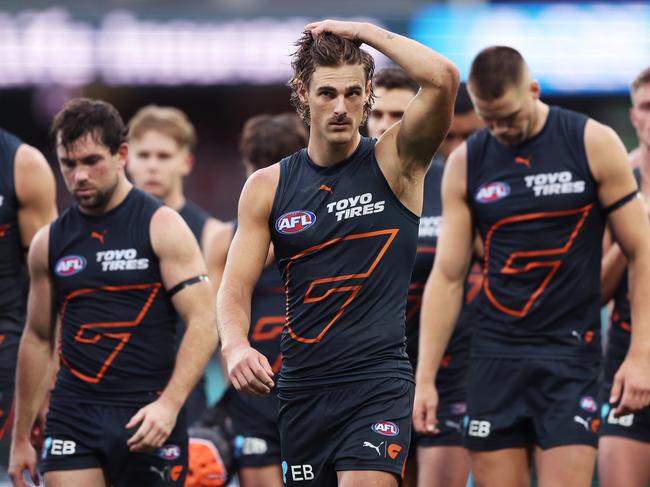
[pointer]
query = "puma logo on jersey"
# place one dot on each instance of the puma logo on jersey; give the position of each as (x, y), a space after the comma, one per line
(429, 226)
(99, 235)
(554, 183)
(524, 161)
(354, 206)
(121, 260)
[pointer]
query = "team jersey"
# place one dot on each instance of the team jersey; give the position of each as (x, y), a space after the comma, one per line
(195, 217)
(452, 369)
(345, 245)
(118, 325)
(13, 273)
(536, 207)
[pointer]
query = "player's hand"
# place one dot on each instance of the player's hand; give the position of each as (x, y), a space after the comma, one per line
(249, 371)
(22, 457)
(424, 409)
(631, 385)
(156, 422)
(347, 30)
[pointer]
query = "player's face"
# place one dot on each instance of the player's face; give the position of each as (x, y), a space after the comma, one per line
(157, 164)
(462, 126)
(389, 107)
(336, 97)
(90, 171)
(510, 118)
(640, 114)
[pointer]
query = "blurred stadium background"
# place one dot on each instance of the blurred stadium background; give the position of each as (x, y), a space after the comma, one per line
(222, 61)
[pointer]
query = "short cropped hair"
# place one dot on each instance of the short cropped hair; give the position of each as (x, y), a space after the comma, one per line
(331, 51)
(81, 116)
(494, 70)
(394, 78)
(266, 139)
(642, 78)
(167, 120)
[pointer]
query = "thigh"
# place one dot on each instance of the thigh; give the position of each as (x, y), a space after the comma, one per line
(501, 468)
(8, 353)
(443, 466)
(351, 478)
(92, 477)
(270, 476)
(623, 461)
(565, 465)
(497, 415)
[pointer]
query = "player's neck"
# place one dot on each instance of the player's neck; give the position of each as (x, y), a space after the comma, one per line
(175, 199)
(640, 158)
(324, 153)
(541, 115)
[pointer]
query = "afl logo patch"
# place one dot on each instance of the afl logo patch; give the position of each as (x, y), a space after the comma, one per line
(295, 221)
(492, 192)
(169, 452)
(69, 265)
(386, 428)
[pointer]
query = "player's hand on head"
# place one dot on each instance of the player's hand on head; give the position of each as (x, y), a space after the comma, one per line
(424, 409)
(347, 30)
(250, 371)
(22, 457)
(156, 420)
(631, 386)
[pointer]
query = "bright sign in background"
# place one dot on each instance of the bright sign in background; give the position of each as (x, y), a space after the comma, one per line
(569, 47)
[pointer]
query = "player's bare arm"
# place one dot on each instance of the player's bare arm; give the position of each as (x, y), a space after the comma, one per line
(405, 151)
(629, 223)
(35, 191)
(35, 357)
(443, 293)
(180, 262)
(613, 269)
(248, 370)
(216, 253)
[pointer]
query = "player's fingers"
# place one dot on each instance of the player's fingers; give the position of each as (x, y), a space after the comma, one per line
(267, 367)
(137, 417)
(626, 404)
(617, 387)
(430, 418)
(33, 473)
(254, 384)
(17, 477)
(418, 417)
(137, 437)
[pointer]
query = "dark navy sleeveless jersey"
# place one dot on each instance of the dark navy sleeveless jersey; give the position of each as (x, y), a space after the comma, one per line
(536, 207)
(13, 274)
(345, 246)
(452, 369)
(118, 325)
(620, 328)
(195, 217)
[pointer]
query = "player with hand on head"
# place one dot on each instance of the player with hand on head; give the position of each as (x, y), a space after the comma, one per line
(343, 218)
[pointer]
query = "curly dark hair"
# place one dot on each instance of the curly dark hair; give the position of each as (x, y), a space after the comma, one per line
(328, 50)
(81, 116)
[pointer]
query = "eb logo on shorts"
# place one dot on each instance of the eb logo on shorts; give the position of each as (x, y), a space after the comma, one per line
(298, 472)
(56, 447)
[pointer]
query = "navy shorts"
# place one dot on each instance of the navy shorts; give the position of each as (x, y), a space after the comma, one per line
(8, 354)
(514, 403)
(80, 436)
(356, 426)
(255, 426)
(634, 426)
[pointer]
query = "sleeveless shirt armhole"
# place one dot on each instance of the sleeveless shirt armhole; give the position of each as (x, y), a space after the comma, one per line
(279, 188)
(412, 216)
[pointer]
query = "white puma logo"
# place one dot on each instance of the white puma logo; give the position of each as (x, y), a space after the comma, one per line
(582, 421)
(370, 445)
(159, 472)
(454, 425)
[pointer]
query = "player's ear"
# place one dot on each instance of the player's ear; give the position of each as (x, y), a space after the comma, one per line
(188, 164)
(302, 90)
(535, 89)
(368, 89)
(122, 155)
